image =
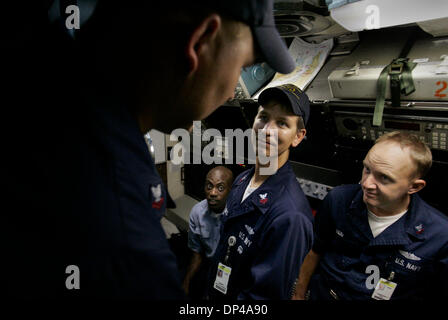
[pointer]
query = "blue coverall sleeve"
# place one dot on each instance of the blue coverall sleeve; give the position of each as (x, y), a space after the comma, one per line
(194, 236)
(324, 228)
(284, 245)
(443, 274)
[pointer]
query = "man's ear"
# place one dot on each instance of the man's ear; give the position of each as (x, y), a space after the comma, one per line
(416, 186)
(299, 137)
(201, 38)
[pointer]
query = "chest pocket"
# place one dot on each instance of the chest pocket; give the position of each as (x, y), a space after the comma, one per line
(348, 250)
(205, 231)
(409, 267)
(246, 229)
(412, 274)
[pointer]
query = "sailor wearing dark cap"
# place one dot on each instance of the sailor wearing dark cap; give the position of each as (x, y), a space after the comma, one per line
(267, 228)
(94, 196)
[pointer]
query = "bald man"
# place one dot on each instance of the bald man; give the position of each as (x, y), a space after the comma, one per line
(203, 236)
(378, 239)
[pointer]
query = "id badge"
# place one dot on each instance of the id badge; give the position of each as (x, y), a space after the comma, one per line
(384, 289)
(222, 278)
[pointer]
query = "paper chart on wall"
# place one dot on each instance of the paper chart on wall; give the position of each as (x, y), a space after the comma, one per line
(309, 59)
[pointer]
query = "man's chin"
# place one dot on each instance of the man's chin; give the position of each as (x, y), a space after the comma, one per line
(370, 203)
(211, 204)
(215, 208)
(266, 153)
(367, 200)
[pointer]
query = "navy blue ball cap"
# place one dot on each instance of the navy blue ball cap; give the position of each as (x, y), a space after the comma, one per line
(259, 15)
(299, 101)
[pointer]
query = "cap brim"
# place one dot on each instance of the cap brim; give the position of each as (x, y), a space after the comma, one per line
(273, 49)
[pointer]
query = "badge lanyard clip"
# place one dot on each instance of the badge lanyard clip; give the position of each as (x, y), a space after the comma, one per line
(231, 242)
(391, 276)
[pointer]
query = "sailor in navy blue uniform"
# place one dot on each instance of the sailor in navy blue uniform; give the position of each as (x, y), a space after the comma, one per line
(267, 225)
(87, 195)
(129, 254)
(366, 254)
(104, 215)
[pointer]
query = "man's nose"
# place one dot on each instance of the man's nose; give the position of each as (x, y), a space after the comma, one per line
(214, 192)
(369, 182)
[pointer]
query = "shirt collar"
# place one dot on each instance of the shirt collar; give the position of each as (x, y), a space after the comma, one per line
(411, 224)
(266, 194)
(415, 218)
